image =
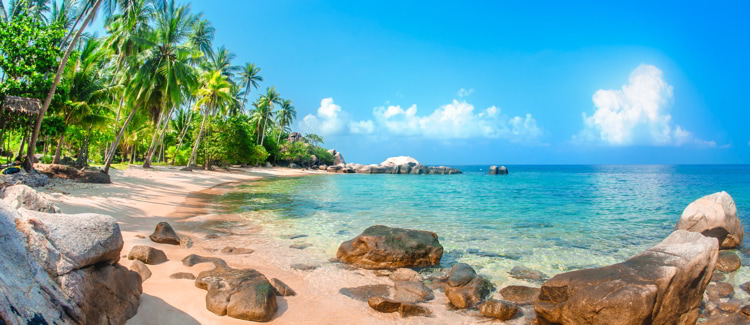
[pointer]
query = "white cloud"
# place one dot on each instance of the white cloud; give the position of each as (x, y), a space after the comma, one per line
(636, 114)
(331, 119)
(465, 92)
(457, 120)
(362, 127)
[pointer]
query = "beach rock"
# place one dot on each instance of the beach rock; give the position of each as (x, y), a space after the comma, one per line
(469, 294)
(293, 166)
(735, 319)
(62, 243)
(729, 307)
(230, 250)
(499, 309)
(525, 273)
(714, 215)
(728, 262)
(411, 292)
(193, 259)
(33, 179)
(303, 267)
(383, 305)
(461, 273)
(142, 270)
(238, 293)
(281, 289)
(745, 310)
(22, 196)
(338, 159)
(746, 287)
(386, 247)
(370, 169)
(164, 234)
(333, 169)
(408, 310)
(363, 293)
(147, 254)
(182, 276)
(94, 177)
(322, 167)
(718, 290)
(663, 285)
(418, 169)
(718, 276)
(521, 295)
(186, 169)
(186, 242)
(404, 274)
(495, 170)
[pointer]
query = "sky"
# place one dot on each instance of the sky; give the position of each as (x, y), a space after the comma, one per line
(505, 82)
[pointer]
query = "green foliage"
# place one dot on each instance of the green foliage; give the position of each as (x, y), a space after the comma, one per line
(230, 142)
(29, 48)
(297, 153)
(324, 157)
(314, 139)
(53, 126)
(182, 155)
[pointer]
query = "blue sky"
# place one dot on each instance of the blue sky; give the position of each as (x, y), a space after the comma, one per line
(505, 82)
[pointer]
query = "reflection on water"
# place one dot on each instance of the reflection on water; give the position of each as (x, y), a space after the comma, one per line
(550, 218)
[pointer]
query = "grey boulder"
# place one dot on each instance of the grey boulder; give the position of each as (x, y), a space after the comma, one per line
(22, 196)
(714, 215)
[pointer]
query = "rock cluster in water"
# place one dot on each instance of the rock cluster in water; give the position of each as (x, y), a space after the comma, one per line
(495, 170)
(393, 165)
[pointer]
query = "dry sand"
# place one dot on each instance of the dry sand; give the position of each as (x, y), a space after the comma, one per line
(139, 199)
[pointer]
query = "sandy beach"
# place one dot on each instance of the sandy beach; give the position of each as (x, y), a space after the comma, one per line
(139, 199)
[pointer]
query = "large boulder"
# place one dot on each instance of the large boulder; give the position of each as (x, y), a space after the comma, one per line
(500, 309)
(338, 159)
(495, 170)
(164, 234)
(400, 161)
(33, 179)
(22, 196)
(380, 247)
(663, 285)
(714, 215)
(239, 293)
(469, 294)
(62, 269)
(67, 172)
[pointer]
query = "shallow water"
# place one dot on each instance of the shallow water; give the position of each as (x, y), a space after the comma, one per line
(549, 218)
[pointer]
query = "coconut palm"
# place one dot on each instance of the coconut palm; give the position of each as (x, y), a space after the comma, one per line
(214, 94)
(286, 115)
(270, 98)
(249, 79)
(202, 37)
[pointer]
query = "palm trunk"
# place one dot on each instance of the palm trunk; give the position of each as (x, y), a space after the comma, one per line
(32, 142)
(263, 135)
(58, 150)
(113, 149)
(194, 154)
(132, 154)
(182, 137)
(46, 146)
(152, 147)
(20, 146)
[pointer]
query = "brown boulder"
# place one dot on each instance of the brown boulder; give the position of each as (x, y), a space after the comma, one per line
(468, 295)
(147, 254)
(238, 293)
(141, 269)
(281, 289)
(164, 234)
(408, 310)
(500, 309)
(383, 305)
(363, 293)
(106, 294)
(385, 247)
(714, 215)
(663, 285)
(728, 262)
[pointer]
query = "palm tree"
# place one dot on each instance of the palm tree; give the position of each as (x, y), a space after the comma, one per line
(269, 99)
(167, 68)
(286, 115)
(202, 37)
(214, 94)
(249, 78)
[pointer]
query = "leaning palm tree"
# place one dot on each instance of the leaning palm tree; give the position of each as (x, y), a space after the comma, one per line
(269, 99)
(286, 115)
(249, 79)
(214, 94)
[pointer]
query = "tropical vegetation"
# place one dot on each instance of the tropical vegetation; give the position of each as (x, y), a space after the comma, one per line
(152, 90)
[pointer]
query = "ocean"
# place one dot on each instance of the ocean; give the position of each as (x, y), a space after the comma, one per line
(548, 218)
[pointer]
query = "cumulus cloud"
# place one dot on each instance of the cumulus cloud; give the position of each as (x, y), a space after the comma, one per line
(465, 92)
(636, 114)
(457, 120)
(331, 119)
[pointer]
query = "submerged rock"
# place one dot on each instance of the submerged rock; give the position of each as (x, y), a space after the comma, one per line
(22, 196)
(663, 285)
(461, 273)
(366, 292)
(404, 274)
(521, 295)
(386, 247)
(383, 305)
(412, 292)
(728, 262)
(238, 293)
(714, 215)
(525, 273)
(164, 234)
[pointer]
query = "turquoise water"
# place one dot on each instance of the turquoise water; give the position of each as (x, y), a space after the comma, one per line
(550, 218)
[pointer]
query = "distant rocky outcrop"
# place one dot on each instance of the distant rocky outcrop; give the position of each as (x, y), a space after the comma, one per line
(393, 165)
(663, 285)
(338, 159)
(714, 215)
(295, 137)
(495, 170)
(382, 247)
(63, 269)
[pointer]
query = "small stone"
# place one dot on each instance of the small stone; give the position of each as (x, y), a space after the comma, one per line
(300, 246)
(140, 236)
(363, 293)
(412, 292)
(186, 242)
(193, 259)
(404, 274)
(182, 276)
(461, 274)
(731, 306)
(500, 309)
(281, 289)
(230, 250)
(383, 305)
(407, 310)
(521, 295)
(468, 295)
(745, 310)
(728, 261)
(303, 267)
(142, 270)
(718, 276)
(147, 254)
(164, 234)
(525, 273)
